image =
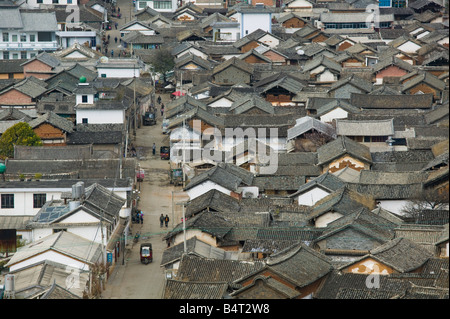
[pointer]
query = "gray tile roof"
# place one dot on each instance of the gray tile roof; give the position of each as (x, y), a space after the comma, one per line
(300, 264)
(254, 102)
(401, 254)
(326, 181)
(195, 269)
(212, 200)
(340, 146)
(340, 285)
(404, 101)
(53, 119)
(343, 201)
(365, 128)
(177, 289)
(386, 191)
(30, 86)
(307, 124)
(194, 247)
(373, 226)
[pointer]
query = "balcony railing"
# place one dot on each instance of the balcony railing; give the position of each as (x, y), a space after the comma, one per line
(23, 46)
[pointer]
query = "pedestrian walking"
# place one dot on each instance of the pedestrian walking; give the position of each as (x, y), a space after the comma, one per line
(141, 217)
(118, 9)
(109, 37)
(161, 220)
(116, 25)
(159, 100)
(154, 149)
(162, 110)
(106, 51)
(112, 53)
(166, 220)
(115, 39)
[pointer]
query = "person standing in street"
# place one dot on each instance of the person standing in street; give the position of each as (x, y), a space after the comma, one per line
(166, 220)
(154, 149)
(161, 220)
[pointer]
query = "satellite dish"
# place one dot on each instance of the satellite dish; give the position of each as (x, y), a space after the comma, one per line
(300, 52)
(104, 59)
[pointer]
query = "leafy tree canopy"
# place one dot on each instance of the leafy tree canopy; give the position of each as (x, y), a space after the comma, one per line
(162, 62)
(18, 134)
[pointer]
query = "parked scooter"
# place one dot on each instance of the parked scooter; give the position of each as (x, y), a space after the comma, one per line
(136, 237)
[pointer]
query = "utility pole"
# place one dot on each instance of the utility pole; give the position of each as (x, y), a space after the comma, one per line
(134, 105)
(184, 230)
(184, 150)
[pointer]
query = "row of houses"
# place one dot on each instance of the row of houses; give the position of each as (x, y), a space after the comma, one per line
(355, 118)
(359, 143)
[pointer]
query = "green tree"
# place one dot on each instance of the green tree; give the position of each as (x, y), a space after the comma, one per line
(18, 134)
(162, 62)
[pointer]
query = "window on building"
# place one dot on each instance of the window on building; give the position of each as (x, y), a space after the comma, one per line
(143, 4)
(39, 1)
(39, 200)
(55, 1)
(399, 3)
(162, 5)
(5, 37)
(7, 201)
(15, 56)
(6, 55)
(14, 38)
(385, 3)
(23, 54)
(84, 98)
(84, 120)
(44, 36)
(32, 38)
(23, 38)
(379, 138)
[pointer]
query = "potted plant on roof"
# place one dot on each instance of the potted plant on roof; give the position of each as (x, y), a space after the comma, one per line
(37, 176)
(22, 177)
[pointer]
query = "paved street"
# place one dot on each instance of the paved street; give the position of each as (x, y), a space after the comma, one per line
(127, 11)
(134, 280)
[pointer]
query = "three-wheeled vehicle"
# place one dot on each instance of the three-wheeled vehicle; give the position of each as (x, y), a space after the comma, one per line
(165, 152)
(146, 253)
(149, 118)
(176, 176)
(164, 126)
(140, 174)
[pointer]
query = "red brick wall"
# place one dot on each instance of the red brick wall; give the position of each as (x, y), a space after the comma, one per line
(294, 23)
(35, 66)
(274, 57)
(253, 59)
(14, 97)
(268, 3)
(48, 131)
(249, 46)
(391, 71)
(344, 46)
